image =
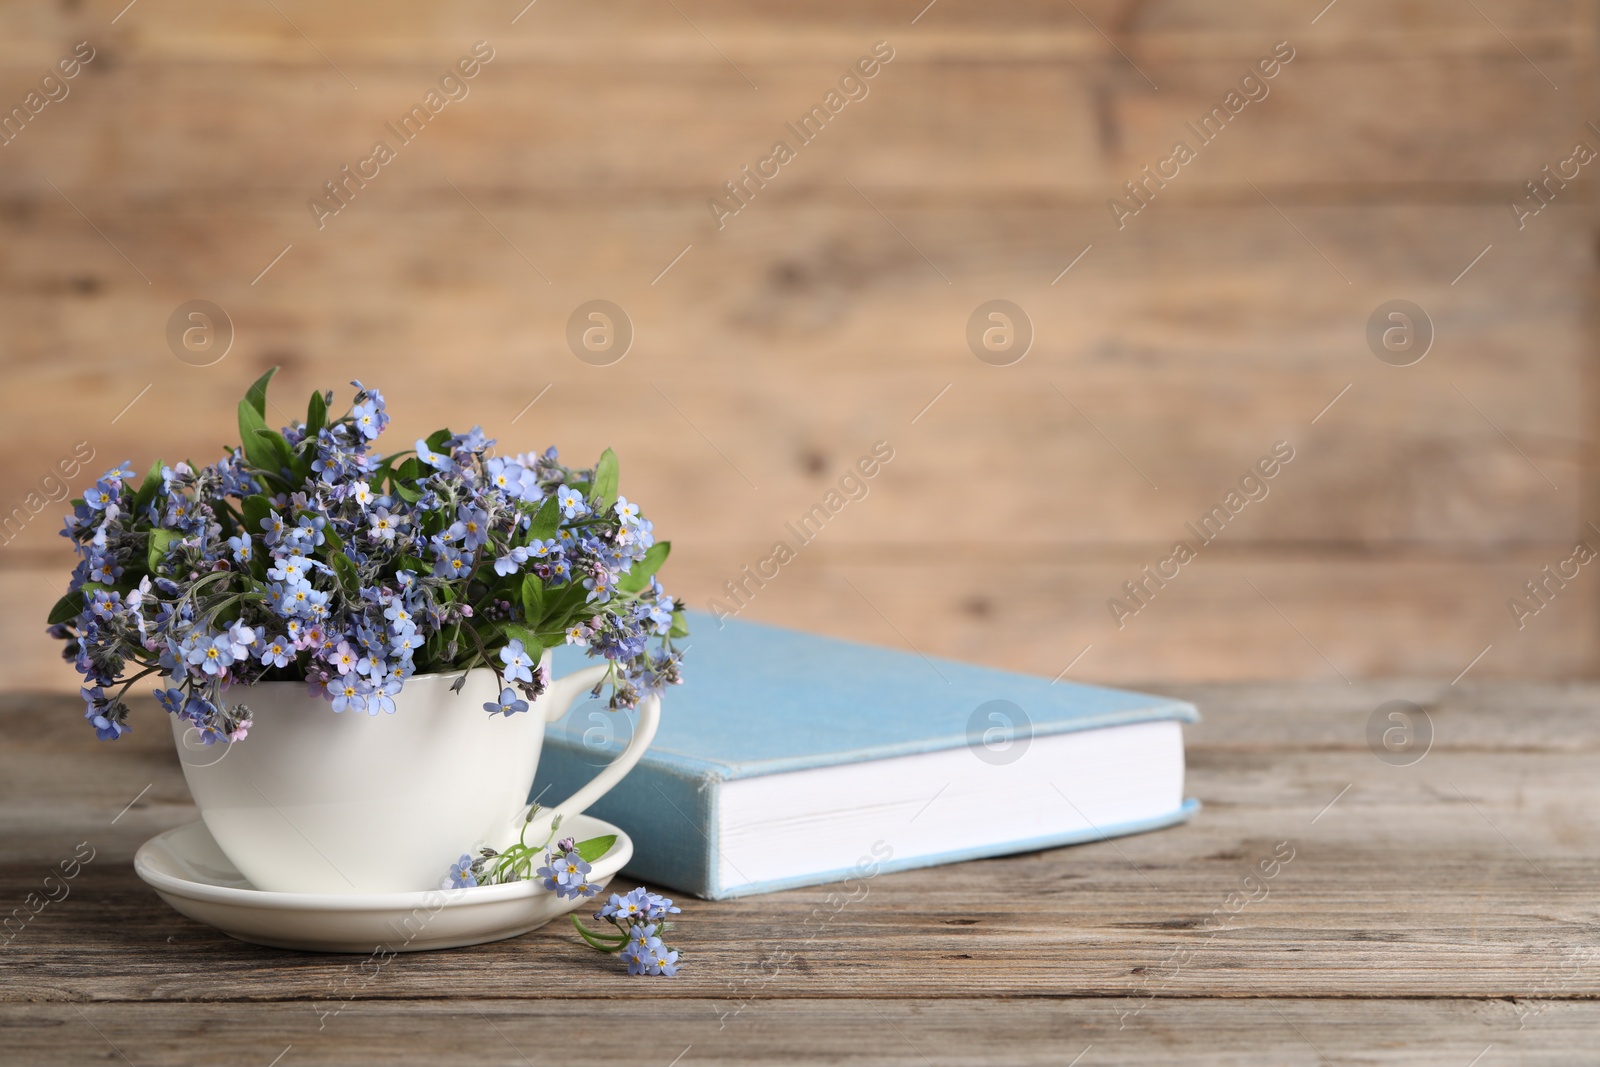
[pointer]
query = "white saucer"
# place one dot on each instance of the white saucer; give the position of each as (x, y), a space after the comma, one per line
(189, 871)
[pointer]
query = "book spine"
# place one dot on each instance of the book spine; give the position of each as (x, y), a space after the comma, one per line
(669, 815)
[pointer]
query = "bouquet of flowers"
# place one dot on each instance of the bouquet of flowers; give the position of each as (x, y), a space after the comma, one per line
(303, 555)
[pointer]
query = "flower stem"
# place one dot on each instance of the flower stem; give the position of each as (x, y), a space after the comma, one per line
(596, 941)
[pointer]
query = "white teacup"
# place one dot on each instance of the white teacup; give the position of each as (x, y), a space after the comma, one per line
(315, 801)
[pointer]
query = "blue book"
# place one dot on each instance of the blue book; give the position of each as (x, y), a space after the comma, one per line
(788, 759)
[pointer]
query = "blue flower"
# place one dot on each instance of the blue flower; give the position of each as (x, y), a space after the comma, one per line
(199, 711)
(461, 874)
(471, 525)
(511, 561)
(372, 663)
(243, 548)
(645, 953)
(109, 717)
(107, 728)
(308, 530)
(399, 618)
(567, 876)
(104, 570)
(368, 418)
(105, 604)
(513, 479)
(349, 693)
(641, 904)
(240, 637)
(343, 658)
(405, 644)
(104, 492)
(634, 957)
(434, 459)
(658, 906)
(518, 665)
(451, 563)
(660, 613)
(627, 514)
(384, 526)
(571, 502)
(508, 704)
(289, 569)
(276, 653)
(272, 528)
(213, 657)
(661, 960)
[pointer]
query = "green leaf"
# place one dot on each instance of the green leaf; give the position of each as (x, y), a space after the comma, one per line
(344, 568)
(147, 490)
(316, 414)
(604, 490)
(385, 469)
(532, 599)
(595, 847)
(680, 625)
(157, 548)
(257, 451)
(256, 395)
(280, 447)
(547, 521)
(257, 509)
(67, 608)
(530, 640)
(564, 605)
(438, 439)
(405, 479)
(335, 543)
(640, 573)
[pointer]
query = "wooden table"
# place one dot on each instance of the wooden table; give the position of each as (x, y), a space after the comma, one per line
(1442, 913)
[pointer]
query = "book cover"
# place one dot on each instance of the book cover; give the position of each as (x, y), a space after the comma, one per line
(762, 700)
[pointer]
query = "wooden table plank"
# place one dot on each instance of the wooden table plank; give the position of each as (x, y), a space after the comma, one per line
(1463, 876)
(956, 1031)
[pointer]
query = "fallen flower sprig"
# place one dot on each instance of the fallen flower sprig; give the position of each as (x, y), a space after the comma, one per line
(566, 866)
(638, 919)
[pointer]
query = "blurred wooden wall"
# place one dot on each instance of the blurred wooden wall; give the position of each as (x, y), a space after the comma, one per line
(829, 312)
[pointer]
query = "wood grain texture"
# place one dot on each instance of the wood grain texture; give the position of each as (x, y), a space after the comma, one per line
(1427, 910)
(1191, 346)
(1039, 1032)
(598, 128)
(830, 311)
(637, 29)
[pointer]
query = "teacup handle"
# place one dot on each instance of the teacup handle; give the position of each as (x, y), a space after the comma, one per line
(564, 691)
